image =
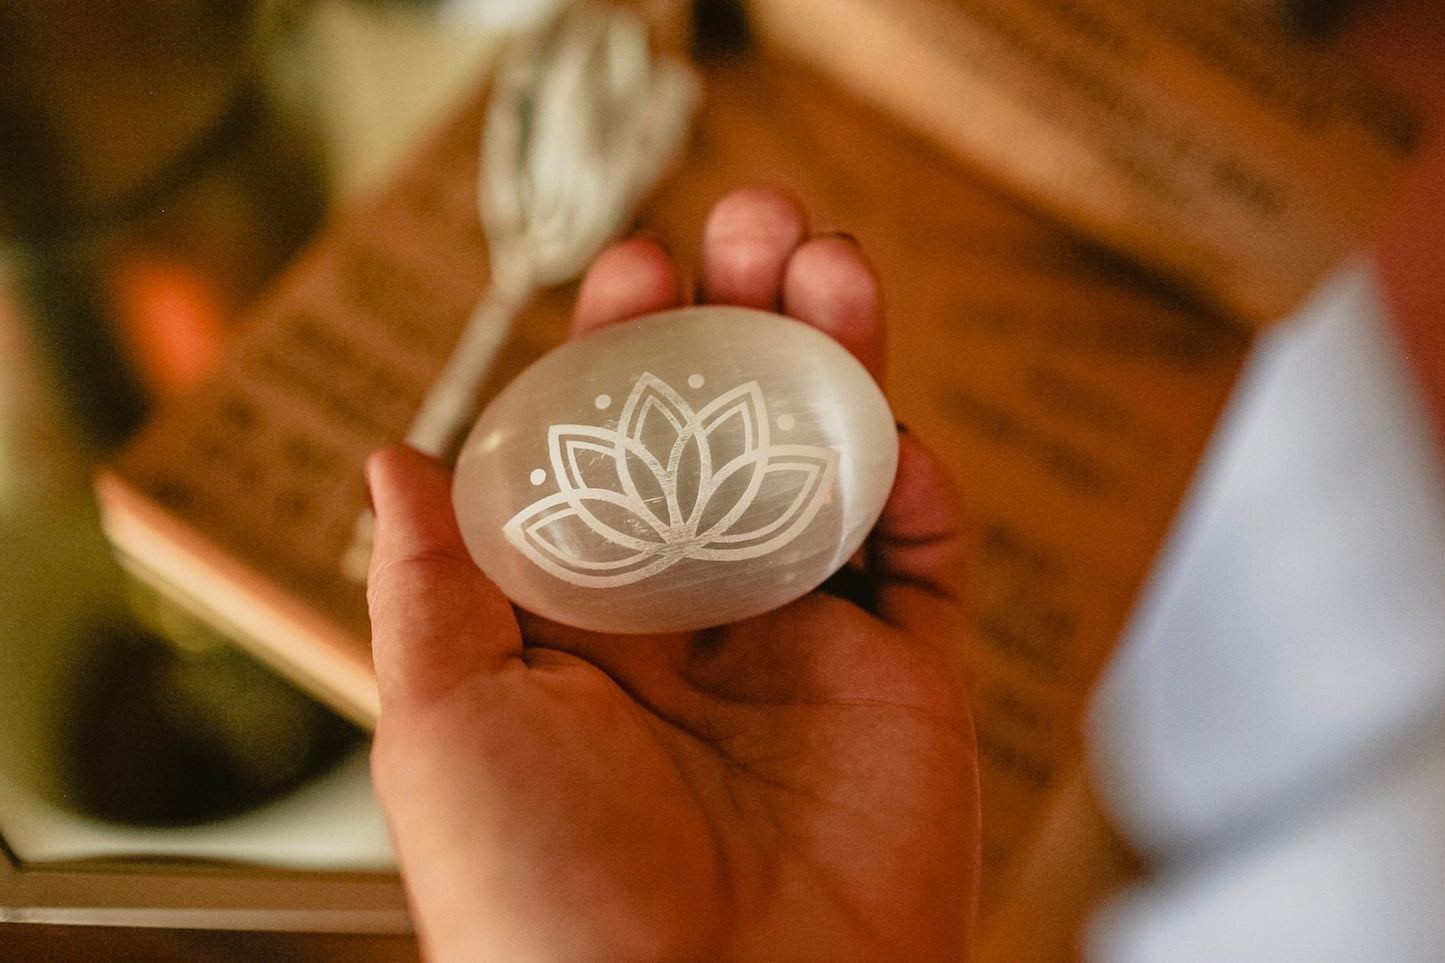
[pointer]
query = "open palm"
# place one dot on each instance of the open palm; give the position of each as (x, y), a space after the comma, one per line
(801, 785)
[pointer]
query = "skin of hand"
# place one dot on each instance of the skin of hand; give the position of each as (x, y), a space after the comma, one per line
(798, 786)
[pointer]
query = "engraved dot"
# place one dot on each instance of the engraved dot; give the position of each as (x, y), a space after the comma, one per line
(694, 381)
(602, 401)
(786, 422)
(539, 475)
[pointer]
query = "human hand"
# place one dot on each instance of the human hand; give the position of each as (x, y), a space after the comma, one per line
(800, 785)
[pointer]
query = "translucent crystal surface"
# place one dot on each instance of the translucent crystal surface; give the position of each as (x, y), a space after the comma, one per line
(683, 470)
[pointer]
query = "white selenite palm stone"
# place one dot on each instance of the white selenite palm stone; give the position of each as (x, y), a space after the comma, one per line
(679, 471)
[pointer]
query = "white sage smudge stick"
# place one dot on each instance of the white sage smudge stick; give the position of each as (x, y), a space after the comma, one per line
(583, 123)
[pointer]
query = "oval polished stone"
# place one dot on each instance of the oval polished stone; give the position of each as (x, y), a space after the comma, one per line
(679, 471)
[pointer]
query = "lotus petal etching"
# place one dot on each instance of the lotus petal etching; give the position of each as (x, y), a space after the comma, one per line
(644, 517)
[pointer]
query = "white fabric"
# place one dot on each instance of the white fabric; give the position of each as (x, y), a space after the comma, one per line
(1360, 881)
(1290, 643)
(1297, 619)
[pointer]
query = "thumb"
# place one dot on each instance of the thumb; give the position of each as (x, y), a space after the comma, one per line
(436, 620)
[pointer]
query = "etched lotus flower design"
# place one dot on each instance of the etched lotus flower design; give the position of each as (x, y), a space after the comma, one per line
(671, 483)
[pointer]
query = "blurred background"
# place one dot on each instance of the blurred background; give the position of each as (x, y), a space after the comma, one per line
(162, 160)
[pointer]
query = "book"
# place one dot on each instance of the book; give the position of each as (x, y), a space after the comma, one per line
(1201, 138)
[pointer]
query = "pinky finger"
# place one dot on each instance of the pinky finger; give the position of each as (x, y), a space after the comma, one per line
(916, 551)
